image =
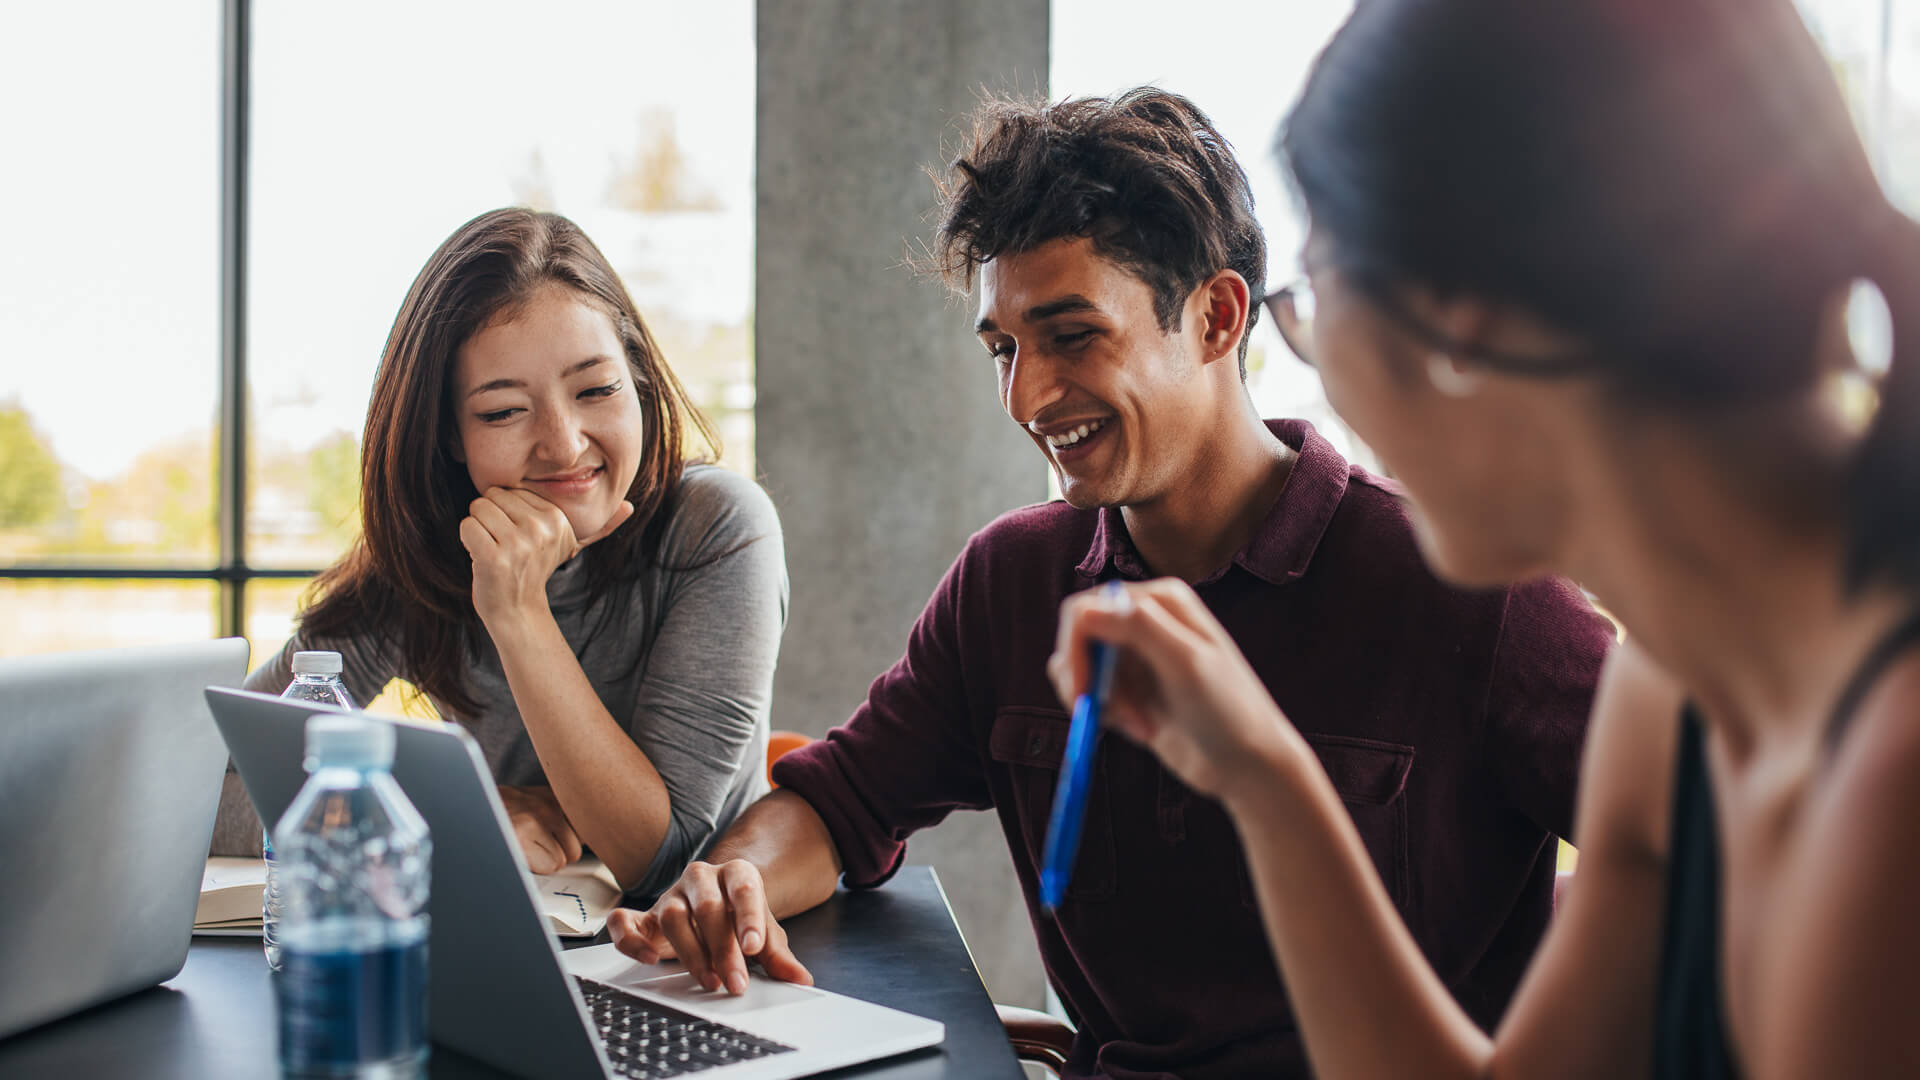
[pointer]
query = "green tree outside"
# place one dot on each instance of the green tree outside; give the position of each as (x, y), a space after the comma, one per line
(333, 485)
(29, 473)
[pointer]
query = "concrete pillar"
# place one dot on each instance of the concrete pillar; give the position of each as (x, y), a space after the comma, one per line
(877, 428)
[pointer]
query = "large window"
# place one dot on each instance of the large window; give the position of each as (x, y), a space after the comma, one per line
(109, 327)
(372, 131)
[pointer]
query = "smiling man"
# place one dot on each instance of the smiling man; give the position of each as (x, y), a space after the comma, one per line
(1118, 264)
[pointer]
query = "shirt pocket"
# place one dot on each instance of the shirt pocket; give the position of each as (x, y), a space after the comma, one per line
(1030, 742)
(1371, 779)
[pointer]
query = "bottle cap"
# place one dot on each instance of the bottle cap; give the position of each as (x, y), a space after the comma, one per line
(316, 663)
(348, 740)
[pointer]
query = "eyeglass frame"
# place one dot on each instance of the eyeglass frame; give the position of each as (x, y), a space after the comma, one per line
(1283, 308)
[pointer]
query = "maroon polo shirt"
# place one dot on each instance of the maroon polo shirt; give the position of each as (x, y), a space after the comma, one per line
(1450, 722)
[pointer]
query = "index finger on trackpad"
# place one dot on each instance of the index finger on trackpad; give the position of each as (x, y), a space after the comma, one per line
(607, 964)
(762, 993)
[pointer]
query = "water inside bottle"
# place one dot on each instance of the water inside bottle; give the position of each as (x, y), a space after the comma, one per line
(353, 1010)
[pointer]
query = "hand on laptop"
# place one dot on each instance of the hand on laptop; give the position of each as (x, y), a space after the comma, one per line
(713, 919)
(546, 838)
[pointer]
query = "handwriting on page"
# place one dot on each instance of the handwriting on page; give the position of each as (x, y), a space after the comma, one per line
(578, 899)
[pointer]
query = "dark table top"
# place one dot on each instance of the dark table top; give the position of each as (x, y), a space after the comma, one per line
(896, 946)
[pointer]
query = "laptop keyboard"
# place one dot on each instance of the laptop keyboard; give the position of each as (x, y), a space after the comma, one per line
(646, 1040)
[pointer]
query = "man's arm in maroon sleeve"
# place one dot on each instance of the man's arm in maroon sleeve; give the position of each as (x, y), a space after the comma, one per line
(845, 807)
(908, 757)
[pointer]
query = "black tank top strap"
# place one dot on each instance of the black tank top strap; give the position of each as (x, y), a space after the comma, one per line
(1901, 638)
(1690, 1030)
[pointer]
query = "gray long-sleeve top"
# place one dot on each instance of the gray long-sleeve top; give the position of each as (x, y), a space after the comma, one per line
(696, 703)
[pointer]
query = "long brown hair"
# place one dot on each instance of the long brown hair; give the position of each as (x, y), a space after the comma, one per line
(408, 580)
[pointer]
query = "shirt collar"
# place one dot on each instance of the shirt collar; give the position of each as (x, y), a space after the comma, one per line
(1285, 542)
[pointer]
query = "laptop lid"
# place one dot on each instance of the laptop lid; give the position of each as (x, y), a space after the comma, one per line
(495, 987)
(110, 770)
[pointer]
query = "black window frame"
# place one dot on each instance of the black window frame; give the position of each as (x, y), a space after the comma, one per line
(231, 570)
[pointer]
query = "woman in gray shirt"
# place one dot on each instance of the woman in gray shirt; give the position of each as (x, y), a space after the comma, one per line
(541, 560)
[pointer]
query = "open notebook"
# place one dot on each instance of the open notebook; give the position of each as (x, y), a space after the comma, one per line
(577, 900)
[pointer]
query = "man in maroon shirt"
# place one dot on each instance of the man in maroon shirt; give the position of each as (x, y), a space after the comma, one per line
(1118, 263)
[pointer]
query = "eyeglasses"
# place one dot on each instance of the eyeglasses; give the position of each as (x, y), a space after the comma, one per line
(1292, 311)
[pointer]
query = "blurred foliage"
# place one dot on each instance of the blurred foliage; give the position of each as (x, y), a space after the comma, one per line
(333, 483)
(163, 506)
(29, 473)
(715, 364)
(303, 506)
(163, 502)
(656, 178)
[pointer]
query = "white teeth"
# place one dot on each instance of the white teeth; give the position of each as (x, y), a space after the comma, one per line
(1062, 441)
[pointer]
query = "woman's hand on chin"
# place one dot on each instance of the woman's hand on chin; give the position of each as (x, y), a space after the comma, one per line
(1181, 687)
(517, 539)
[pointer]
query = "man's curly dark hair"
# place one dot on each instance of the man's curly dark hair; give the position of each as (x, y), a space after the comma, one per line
(1145, 176)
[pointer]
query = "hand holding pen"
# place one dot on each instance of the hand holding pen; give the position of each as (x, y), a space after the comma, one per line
(1076, 773)
(1178, 686)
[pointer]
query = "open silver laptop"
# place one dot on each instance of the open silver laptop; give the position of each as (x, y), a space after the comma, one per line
(499, 988)
(110, 773)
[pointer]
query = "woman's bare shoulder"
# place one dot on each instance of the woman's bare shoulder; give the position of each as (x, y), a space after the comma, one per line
(1626, 774)
(1835, 997)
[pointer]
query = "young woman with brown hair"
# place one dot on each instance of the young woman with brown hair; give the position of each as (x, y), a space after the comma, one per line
(1581, 269)
(542, 559)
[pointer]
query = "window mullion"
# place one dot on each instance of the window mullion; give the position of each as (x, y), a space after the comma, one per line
(233, 316)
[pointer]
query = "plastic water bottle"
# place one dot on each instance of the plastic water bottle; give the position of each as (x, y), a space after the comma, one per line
(316, 678)
(355, 867)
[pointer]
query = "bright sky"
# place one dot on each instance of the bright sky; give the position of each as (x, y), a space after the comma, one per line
(378, 127)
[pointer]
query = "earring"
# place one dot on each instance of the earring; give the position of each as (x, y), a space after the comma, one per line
(1852, 397)
(1869, 329)
(1448, 377)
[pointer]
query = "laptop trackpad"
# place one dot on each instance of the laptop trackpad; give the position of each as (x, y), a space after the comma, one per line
(762, 994)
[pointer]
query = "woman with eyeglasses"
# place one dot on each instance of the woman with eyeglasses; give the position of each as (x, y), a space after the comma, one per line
(1583, 275)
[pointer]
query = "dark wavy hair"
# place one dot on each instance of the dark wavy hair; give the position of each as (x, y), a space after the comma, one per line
(408, 578)
(1145, 176)
(1677, 182)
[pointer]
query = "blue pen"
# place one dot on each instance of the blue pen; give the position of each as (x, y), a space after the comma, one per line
(1076, 777)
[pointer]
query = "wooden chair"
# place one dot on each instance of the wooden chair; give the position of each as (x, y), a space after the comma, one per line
(1038, 1038)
